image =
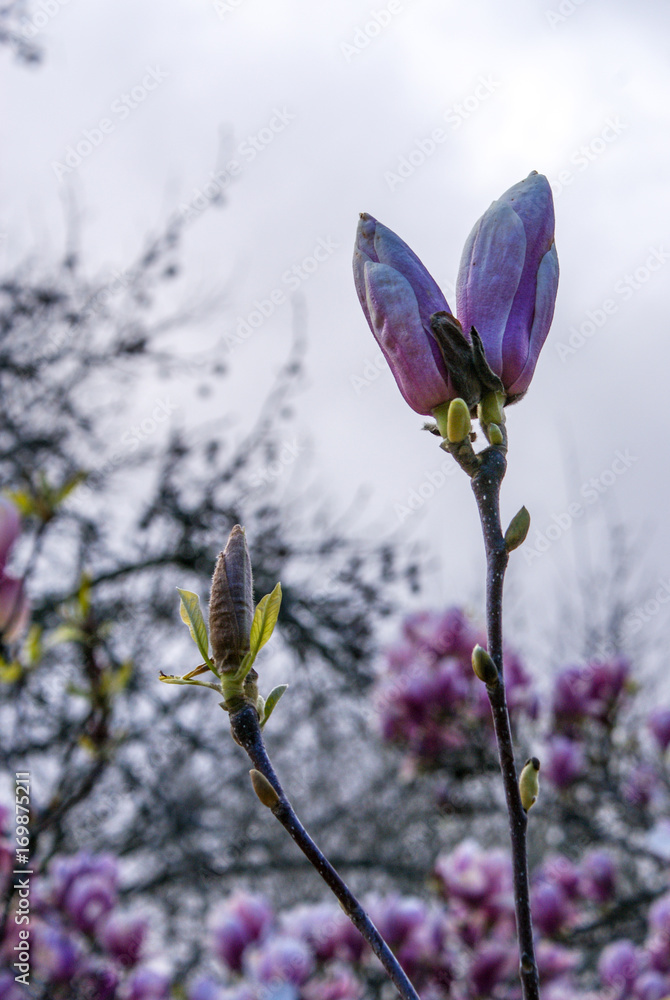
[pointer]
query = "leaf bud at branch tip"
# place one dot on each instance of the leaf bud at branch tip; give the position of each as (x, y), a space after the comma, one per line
(458, 421)
(231, 604)
(495, 435)
(263, 789)
(490, 409)
(441, 414)
(517, 530)
(484, 667)
(529, 785)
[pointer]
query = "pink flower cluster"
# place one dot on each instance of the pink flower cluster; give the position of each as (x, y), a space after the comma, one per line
(459, 945)
(429, 700)
(79, 939)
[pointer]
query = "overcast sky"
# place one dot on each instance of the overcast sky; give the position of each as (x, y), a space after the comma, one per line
(420, 112)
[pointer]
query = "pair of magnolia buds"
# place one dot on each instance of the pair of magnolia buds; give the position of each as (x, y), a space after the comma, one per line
(505, 296)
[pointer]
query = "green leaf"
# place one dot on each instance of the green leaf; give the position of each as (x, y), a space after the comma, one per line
(262, 627)
(33, 645)
(265, 619)
(191, 615)
(64, 633)
(84, 594)
(69, 486)
(23, 500)
(272, 700)
(244, 667)
(171, 679)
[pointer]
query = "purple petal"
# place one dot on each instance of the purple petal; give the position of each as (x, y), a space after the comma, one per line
(545, 299)
(488, 277)
(10, 526)
(396, 324)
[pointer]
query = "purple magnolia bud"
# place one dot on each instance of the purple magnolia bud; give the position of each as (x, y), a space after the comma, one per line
(398, 297)
(147, 984)
(476, 877)
(282, 958)
(206, 989)
(340, 984)
(651, 986)
(396, 917)
(64, 872)
(55, 954)
(122, 937)
(659, 916)
(9, 990)
(563, 872)
(14, 607)
(554, 961)
(10, 527)
(98, 981)
(507, 281)
(492, 961)
(659, 723)
(640, 785)
(242, 920)
(231, 603)
(564, 761)
(88, 900)
(598, 876)
(551, 909)
(327, 930)
(619, 965)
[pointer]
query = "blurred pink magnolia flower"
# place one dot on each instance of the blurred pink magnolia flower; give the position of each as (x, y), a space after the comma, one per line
(14, 607)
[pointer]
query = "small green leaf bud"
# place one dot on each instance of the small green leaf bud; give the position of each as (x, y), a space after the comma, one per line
(263, 789)
(529, 784)
(484, 667)
(458, 421)
(495, 434)
(441, 414)
(517, 530)
(490, 409)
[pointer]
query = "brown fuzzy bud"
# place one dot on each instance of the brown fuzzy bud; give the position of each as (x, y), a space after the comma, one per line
(263, 789)
(231, 604)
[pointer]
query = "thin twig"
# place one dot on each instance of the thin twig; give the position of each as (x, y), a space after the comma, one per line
(486, 487)
(246, 731)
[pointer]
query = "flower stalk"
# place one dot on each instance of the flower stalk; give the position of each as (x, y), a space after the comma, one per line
(486, 484)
